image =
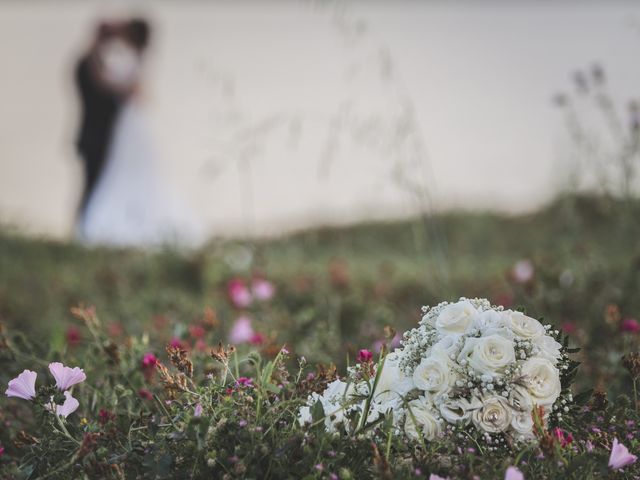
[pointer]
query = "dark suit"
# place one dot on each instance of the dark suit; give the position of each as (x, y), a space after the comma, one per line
(99, 112)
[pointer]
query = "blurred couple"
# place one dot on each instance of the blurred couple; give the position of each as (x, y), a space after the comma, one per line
(125, 200)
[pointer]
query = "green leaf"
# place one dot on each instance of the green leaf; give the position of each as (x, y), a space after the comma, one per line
(317, 412)
(583, 397)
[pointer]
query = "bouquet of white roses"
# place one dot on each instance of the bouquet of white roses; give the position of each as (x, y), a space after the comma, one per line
(468, 366)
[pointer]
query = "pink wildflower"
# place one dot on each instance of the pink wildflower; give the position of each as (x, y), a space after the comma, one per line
(23, 386)
(145, 394)
(197, 411)
(239, 294)
(197, 331)
(69, 406)
(563, 438)
(570, 328)
(241, 332)
(177, 343)
(256, 339)
(513, 473)
(66, 377)
(73, 336)
(523, 271)
(149, 360)
(262, 289)
(620, 456)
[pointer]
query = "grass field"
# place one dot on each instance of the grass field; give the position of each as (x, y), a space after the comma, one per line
(575, 262)
(338, 287)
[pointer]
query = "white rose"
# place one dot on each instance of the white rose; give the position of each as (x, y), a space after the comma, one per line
(459, 410)
(434, 374)
(542, 380)
(522, 423)
(489, 319)
(524, 327)
(392, 385)
(520, 399)
(448, 346)
(456, 318)
(420, 419)
(488, 355)
(494, 416)
(547, 348)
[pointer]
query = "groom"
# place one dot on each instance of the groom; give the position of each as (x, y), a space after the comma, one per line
(99, 107)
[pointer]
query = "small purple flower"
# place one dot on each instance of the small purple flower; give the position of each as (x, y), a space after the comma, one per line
(66, 377)
(23, 386)
(244, 382)
(242, 423)
(197, 411)
(319, 467)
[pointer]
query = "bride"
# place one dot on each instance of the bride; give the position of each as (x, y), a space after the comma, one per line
(131, 204)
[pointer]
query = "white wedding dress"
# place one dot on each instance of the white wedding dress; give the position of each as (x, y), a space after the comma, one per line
(133, 204)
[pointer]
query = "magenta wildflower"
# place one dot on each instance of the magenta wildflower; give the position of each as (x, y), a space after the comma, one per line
(563, 438)
(73, 336)
(244, 382)
(23, 386)
(365, 356)
(630, 325)
(149, 360)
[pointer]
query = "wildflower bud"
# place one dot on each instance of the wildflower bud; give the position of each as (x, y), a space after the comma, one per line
(364, 356)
